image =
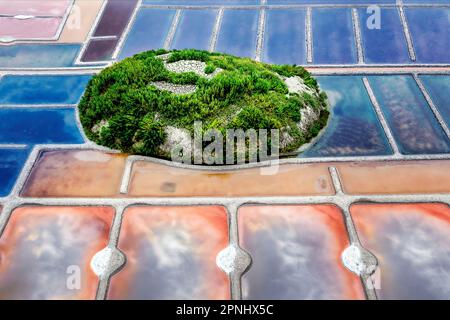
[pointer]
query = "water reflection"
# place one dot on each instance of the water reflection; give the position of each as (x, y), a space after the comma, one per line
(354, 129)
(296, 253)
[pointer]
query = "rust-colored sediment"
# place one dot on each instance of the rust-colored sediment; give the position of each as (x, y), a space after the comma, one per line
(150, 179)
(76, 173)
(395, 177)
(42, 247)
(296, 253)
(89, 173)
(171, 254)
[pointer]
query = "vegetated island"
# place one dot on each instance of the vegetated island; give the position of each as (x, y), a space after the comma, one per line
(147, 104)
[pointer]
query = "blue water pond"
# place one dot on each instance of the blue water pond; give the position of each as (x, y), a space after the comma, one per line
(438, 87)
(11, 164)
(386, 44)
(39, 126)
(238, 32)
(202, 2)
(430, 29)
(333, 36)
(42, 89)
(148, 32)
(194, 29)
(274, 2)
(38, 55)
(354, 128)
(413, 124)
(284, 39)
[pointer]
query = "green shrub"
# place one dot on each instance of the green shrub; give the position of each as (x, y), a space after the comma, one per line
(291, 109)
(251, 117)
(310, 100)
(120, 132)
(150, 135)
(189, 54)
(210, 68)
(121, 109)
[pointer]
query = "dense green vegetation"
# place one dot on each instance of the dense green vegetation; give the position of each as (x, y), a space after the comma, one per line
(122, 110)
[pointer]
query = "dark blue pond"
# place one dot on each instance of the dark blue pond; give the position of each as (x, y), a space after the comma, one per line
(411, 120)
(430, 30)
(11, 163)
(387, 44)
(354, 128)
(284, 40)
(333, 36)
(38, 126)
(194, 29)
(148, 32)
(38, 55)
(237, 35)
(426, 1)
(438, 86)
(64, 89)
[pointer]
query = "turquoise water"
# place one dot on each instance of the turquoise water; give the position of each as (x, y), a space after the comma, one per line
(354, 129)
(42, 89)
(284, 38)
(411, 120)
(148, 32)
(438, 87)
